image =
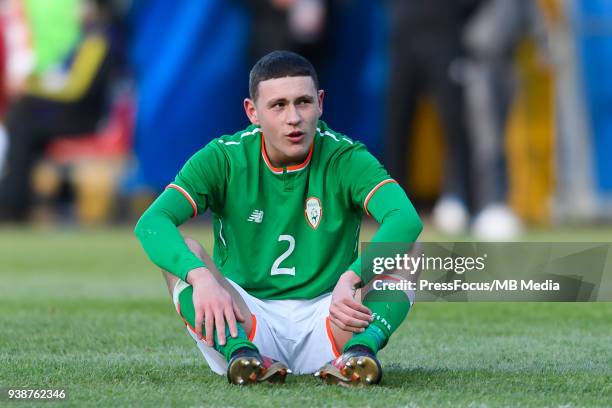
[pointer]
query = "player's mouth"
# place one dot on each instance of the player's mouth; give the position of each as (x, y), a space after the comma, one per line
(295, 136)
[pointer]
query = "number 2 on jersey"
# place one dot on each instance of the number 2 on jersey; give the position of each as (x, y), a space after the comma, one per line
(276, 269)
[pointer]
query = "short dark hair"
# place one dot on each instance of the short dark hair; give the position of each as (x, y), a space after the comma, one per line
(280, 64)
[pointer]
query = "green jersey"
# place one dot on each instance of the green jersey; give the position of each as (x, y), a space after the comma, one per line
(283, 233)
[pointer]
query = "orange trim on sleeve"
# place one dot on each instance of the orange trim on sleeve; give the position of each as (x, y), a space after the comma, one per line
(253, 327)
(374, 190)
(330, 335)
(187, 196)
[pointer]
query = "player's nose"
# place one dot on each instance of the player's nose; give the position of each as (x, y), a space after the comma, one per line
(293, 116)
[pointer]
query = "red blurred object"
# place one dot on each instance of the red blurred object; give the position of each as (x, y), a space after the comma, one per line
(113, 140)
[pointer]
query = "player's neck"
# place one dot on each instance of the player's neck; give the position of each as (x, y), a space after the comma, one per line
(279, 160)
(287, 161)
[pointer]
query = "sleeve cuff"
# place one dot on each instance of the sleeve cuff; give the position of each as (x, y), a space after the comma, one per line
(183, 270)
(356, 266)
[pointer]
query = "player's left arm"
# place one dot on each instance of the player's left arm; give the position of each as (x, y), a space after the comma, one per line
(381, 197)
(399, 222)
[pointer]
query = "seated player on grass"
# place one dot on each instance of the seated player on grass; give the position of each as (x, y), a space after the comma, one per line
(287, 196)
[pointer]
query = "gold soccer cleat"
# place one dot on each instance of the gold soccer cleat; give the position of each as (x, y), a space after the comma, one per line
(247, 366)
(358, 366)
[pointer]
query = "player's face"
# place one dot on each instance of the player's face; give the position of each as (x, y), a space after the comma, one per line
(287, 110)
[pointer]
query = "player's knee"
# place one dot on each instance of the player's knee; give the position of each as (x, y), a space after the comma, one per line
(195, 247)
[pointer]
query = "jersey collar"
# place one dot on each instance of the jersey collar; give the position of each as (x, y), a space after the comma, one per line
(290, 169)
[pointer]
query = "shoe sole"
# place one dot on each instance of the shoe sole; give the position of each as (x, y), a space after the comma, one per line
(249, 370)
(358, 371)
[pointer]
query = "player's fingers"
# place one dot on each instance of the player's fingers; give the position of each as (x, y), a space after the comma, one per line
(341, 318)
(333, 317)
(336, 322)
(360, 315)
(209, 326)
(354, 313)
(340, 321)
(231, 321)
(237, 312)
(349, 320)
(353, 304)
(199, 318)
(220, 326)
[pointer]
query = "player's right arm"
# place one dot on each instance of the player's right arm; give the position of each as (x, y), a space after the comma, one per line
(159, 236)
(195, 188)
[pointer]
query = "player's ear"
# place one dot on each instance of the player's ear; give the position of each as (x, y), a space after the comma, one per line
(321, 95)
(251, 112)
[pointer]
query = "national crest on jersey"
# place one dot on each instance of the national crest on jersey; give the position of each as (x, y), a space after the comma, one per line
(283, 233)
(313, 212)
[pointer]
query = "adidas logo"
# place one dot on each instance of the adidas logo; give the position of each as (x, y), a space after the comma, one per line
(256, 216)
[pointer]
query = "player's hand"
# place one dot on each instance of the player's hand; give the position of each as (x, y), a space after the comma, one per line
(345, 311)
(213, 306)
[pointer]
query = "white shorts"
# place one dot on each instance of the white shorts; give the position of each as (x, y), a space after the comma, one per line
(296, 332)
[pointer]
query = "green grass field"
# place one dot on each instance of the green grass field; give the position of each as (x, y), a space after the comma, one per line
(84, 310)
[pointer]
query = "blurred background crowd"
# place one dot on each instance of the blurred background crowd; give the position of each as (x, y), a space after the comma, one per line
(495, 115)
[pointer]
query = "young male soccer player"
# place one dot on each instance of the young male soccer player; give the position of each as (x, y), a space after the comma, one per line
(287, 196)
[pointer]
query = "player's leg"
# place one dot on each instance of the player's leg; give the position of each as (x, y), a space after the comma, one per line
(389, 307)
(358, 363)
(199, 251)
(244, 364)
